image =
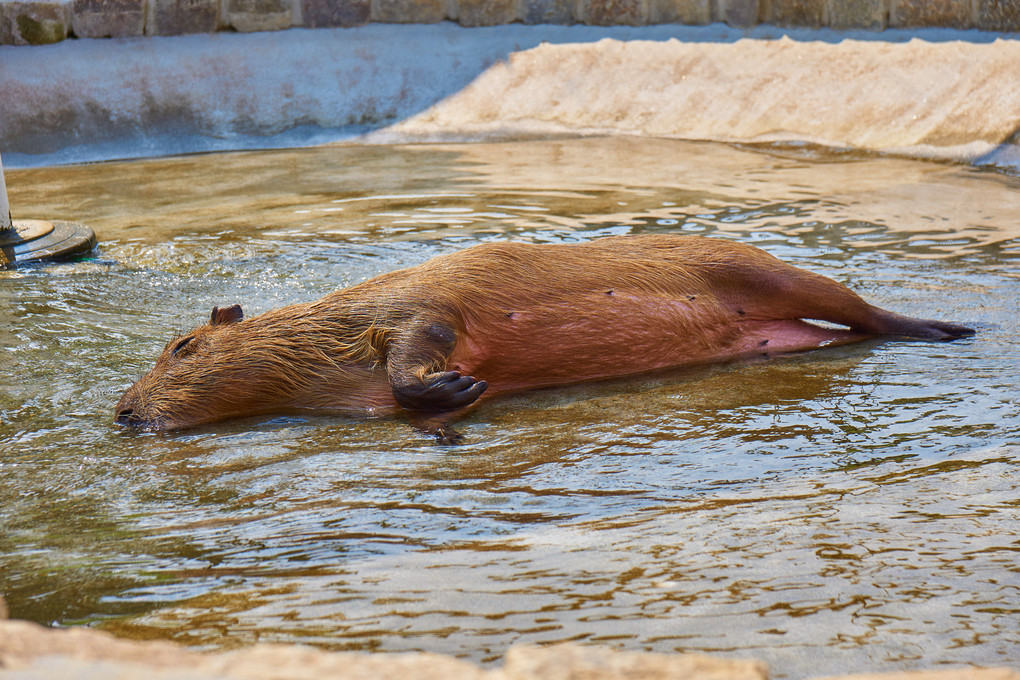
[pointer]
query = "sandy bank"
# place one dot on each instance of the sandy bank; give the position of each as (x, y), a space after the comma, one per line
(942, 94)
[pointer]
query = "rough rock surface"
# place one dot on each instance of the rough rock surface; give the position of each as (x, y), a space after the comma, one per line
(34, 22)
(954, 674)
(108, 18)
(325, 13)
(998, 15)
(407, 11)
(247, 16)
(610, 12)
(908, 13)
(809, 13)
(871, 15)
(28, 651)
(547, 11)
(691, 12)
(575, 662)
(119, 18)
(486, 12)
(740, 13)
(178, 17)
(31, 652)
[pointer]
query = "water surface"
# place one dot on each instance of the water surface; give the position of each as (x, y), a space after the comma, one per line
(848, 509)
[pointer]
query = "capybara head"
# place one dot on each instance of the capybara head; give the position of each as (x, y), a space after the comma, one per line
(296, 358)
(200, 376)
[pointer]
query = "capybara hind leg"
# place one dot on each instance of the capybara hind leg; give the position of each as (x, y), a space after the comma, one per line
(415, 363)
(827, 300)
(763, 287)
(812, 296)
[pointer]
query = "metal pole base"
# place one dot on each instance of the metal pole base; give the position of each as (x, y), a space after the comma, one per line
(34, 241)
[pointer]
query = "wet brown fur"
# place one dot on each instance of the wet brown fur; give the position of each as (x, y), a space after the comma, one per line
(514, 315)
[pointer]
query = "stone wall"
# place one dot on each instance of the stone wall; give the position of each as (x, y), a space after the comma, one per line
(34, 22)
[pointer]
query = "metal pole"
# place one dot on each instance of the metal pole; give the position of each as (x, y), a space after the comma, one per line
(5, 206)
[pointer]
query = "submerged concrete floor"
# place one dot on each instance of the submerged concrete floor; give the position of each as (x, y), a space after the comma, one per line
(939, 93)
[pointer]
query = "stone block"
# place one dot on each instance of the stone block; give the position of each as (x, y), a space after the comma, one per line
(737, 13)
(690, 12)
(613, 12)
(325, 13)
(407, 11)
(34, 22)
(998, 15)
(108, 18)
(920, 13)
(808, 13)
(872, 15)
(177, 17)
(248, 16)
(486, 12)
(547, 11)
(574, 662)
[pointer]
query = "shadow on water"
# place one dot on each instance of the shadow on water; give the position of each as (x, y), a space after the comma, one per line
(848, 508)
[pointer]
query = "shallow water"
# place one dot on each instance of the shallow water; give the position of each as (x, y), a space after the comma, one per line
(848, 509)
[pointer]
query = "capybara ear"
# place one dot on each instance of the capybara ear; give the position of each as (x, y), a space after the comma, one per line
(231, 314)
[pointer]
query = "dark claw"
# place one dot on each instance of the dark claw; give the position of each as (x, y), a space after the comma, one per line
(445, 434)
(437, 427)
(439, 392)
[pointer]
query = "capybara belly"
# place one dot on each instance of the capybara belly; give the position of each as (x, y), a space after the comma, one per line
(617, 334)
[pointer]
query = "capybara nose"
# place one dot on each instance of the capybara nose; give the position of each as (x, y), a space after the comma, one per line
(126, 416)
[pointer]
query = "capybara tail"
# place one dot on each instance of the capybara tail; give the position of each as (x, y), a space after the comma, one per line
(890, 323)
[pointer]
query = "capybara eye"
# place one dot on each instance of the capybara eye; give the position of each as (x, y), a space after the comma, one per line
(180, 345)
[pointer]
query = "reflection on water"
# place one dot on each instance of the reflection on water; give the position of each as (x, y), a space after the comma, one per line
(849, 508)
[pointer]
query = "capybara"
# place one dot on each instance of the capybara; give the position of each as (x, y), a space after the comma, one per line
(500, 317)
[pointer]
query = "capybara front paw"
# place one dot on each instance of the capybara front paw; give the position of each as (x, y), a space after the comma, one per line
(447, 391)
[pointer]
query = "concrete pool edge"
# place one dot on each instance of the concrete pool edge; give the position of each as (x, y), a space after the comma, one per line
(928, 93)
(32, 652)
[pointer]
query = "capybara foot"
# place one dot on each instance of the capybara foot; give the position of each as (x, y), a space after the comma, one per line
(438, 428)
(447, 391)
(924, 329)
(944, 331)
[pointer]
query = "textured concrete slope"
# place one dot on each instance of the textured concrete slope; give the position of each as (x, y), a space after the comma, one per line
(950, 95)
(949, 99)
